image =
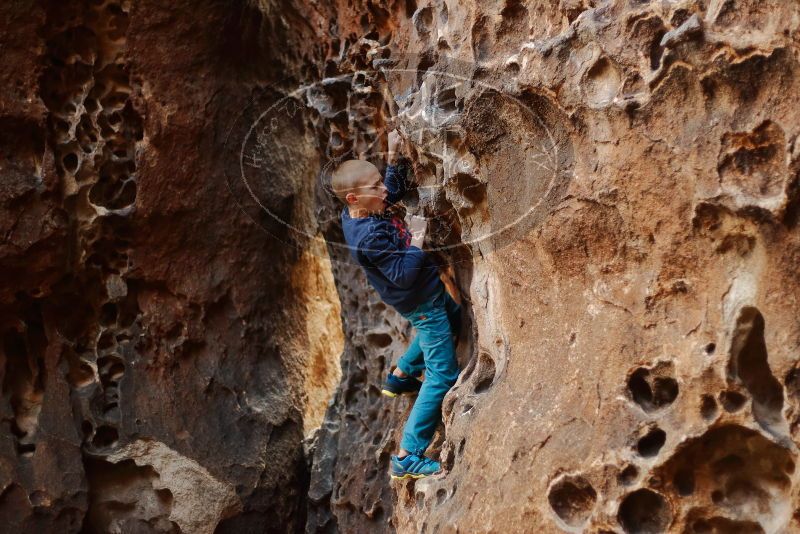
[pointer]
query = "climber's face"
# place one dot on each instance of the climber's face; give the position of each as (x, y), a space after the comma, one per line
(369, 194)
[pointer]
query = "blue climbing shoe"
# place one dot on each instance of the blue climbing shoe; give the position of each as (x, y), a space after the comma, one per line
(413, 466)
(394, 386)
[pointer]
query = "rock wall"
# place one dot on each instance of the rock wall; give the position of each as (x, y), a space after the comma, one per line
(161, 357)
(616, 185)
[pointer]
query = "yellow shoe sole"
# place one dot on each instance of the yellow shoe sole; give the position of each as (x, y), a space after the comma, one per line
(395, 395)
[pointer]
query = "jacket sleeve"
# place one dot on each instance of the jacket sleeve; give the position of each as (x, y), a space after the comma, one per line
(400, 266)
(395, 180)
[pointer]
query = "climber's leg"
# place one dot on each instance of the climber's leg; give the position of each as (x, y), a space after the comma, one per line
(441, 371)
(412, 362)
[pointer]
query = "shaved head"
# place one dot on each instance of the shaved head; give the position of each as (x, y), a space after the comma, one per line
(351, 174)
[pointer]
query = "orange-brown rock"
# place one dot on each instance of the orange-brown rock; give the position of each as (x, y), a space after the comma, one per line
(614, 183)
(620, 183)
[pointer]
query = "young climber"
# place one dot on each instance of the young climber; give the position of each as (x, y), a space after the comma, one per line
(389, 250)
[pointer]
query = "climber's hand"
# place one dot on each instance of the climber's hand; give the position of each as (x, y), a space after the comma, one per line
(394, 142)
(418, 226)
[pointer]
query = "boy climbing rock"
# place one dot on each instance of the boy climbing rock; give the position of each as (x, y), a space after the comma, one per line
(390, 251)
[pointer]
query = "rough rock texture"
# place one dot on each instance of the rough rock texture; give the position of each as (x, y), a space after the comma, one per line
(617, 185)
(614, 183)
(160, 357)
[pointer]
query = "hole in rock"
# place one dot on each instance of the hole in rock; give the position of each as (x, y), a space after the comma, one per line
(22, 383)
(727, 464)
(749, 363)
(113, 374)
(113, 100)
(654, 388)
(70, 162)
(724, 525)
(710, 348)
(684, 482)
(106, 341)
(61, 126)
(513, 28)
(792, 382)
(106, 131)
(126, 195)
(572, 499)
(91, 105)
(446, 100)
(628, 475)
(378, 514)
(656, 51)
(649, 445)
(426, 62)
(80, 375)
(111, 413)
(164, 496)
(26, 449)
(484, 373)
(108, 314)
(472, 189)
(679, 16)
(423, 20)
(116, 10)
(733, 468)
(708, 407)
(420, 498)
(481, 39)
(379, 339)
(105, 436)
(16, 430)
(87, 428)
(732, 401)
(644, 512)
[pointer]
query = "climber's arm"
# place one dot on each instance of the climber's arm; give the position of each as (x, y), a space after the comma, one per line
(395, 176)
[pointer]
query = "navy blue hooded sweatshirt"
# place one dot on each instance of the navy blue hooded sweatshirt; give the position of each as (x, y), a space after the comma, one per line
(403, 275)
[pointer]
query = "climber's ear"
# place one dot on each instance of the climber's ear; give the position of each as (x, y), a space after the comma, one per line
(351, 198)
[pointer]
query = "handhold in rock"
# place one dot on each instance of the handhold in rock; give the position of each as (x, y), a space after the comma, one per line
(693, 27)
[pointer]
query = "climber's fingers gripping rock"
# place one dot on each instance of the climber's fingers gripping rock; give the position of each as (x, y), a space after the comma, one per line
(395, 144)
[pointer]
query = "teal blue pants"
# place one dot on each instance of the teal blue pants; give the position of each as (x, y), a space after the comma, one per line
(432, 350)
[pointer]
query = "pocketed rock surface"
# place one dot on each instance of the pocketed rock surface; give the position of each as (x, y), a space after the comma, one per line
(160, 356)
(615, 184)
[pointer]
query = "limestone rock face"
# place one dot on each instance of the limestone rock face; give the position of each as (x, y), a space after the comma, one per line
(616, 186)
(156, 347)
(613, 185)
